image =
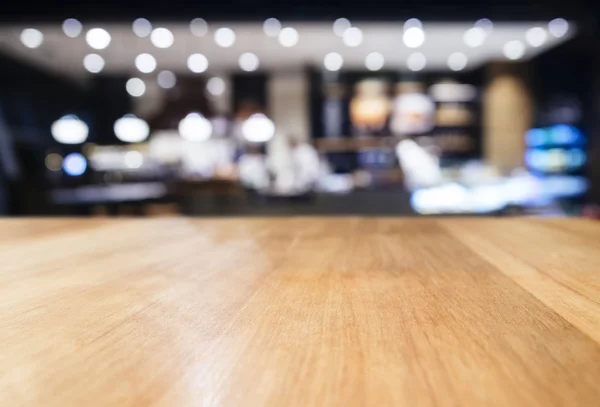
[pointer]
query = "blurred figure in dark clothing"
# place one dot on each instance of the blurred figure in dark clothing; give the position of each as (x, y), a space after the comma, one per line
(9, 168)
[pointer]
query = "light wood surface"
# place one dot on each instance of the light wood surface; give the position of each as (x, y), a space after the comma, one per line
(300, 312)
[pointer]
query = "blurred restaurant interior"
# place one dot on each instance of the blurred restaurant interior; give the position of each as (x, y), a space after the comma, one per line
(196, 113)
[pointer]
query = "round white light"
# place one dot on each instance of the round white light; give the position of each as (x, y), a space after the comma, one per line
(288, 37)
(166, 79)
(162, 38)
(412, 23)
(72, 27)
(558, 27)
(142, 27)
(215, 86)
(457, 61)
(374, 61)
(197, 63)
(32, 38)
(224, 37)
(413, 37)
(258, 128)
(98, 38)
(485, 24)
(340, 26)
(195, 127)
(536, 36)
(271, 27)
(353, 37)
(69, 130)
(131, 129)
(333, 61)
(514, 50)
(416, 62)
(248, 62)
(134, 159)
(135, 87)
(145, 63)
(93, 63)
(474, 37)
(74, 164)
(198, 27)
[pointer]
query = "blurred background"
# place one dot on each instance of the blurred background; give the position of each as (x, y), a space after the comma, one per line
(278, 107)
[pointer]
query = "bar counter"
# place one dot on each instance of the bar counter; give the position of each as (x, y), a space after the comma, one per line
(299, 311)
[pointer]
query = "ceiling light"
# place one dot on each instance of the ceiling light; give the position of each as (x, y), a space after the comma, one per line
(198, 27)
(416, 62)
(271, 27)
(93, 63)
(215, 86)
(374, 61)
(142, 27)
(72, 27)
(258, 128)
(166, 79)
(353, 37)
(224, 37)
(135, 87)
(536, 36)
(162, 38)
(412, 23)
(333, 61)
(474, 37)
(288, 37)
(69, 130)
(98, 38)
(74, 164)
(558, 27)
(145, 63)
(131, 129)
(457, 61)
(514, 50)
(485, 24)
(248, 62)
(32, 38)
(413, 37)
(340, 26)
(197, 63)
(195, 127)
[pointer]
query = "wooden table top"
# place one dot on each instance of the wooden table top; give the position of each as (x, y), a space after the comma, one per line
(300, 312)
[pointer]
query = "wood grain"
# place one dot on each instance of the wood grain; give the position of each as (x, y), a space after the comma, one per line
(300, 312)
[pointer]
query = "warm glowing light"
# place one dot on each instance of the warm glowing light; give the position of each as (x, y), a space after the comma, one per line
(72, 27)
(374, 61)
(258, 128)
(135, 87)
(53, 162)
(215, 86)
(145, 63)
(198, 27)
(271, 27)
(162, 38)
(98, 38)
(514, 50)
(416, 62)
(288, 37)
(32, 38)
(195, 127)
(166, 79)
(224, 37)
(69, 130)
(333, 61)
(536, 36)
(457, 61)
(142, 27)
(197, 63)
(248, 62)
(413, 37)
(131, 129)
(93, 63)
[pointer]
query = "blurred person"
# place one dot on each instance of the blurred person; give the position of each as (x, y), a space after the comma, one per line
(306, 165)
(9, 168)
